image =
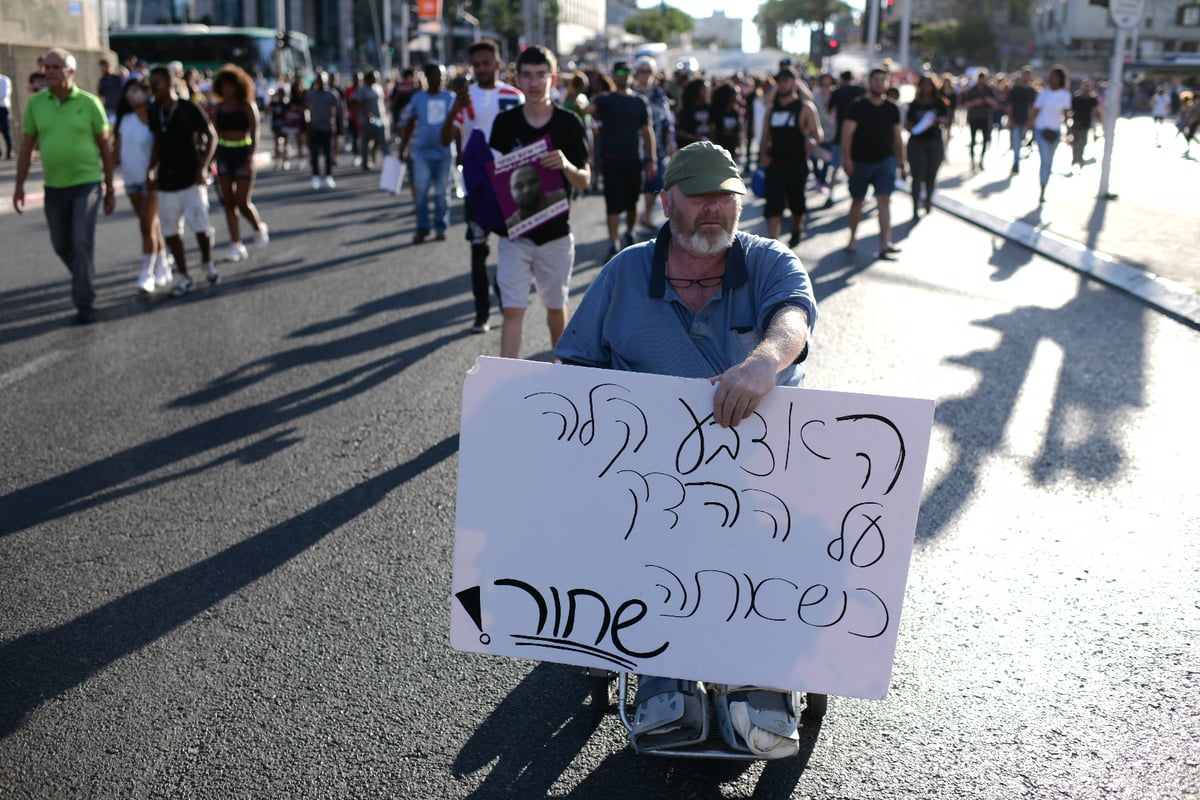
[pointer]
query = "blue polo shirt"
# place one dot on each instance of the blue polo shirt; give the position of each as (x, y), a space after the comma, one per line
(632, 319)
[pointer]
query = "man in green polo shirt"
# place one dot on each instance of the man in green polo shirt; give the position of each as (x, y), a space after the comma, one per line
(70, 128)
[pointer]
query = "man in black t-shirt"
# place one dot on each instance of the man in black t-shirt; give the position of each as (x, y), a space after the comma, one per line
(544, 255)
(873, 149)
(184, 145)
(626, 144)
(1020, 103)
(840, 100)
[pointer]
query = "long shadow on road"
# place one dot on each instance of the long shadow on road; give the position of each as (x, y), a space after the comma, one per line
(1102, 375)
(93, 484)
(40, 666)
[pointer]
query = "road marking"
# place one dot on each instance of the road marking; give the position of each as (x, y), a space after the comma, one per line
(30, 367)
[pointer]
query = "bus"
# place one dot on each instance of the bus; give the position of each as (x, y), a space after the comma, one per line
(211, 47)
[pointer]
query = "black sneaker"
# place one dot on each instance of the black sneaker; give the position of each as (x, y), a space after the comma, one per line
(612, 251)
(441, 237)
(627, 240)
(420, 237)
(86, 315)
(795, 240)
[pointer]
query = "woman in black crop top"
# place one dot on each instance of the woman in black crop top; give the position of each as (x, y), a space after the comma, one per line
(236, 121)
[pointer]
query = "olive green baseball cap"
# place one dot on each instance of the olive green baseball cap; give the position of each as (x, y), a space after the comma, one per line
(703, 167)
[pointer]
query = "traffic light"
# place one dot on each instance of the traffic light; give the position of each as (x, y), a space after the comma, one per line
(832, 46)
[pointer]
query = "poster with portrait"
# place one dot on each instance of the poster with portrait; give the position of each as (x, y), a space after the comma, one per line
(529, 194)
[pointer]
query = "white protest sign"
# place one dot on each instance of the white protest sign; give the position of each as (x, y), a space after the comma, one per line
(604, 520)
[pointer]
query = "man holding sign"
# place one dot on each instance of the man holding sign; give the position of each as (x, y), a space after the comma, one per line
(544, 252)
(703, 300)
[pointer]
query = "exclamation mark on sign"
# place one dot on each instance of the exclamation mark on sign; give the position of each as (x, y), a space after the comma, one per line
(470, 600)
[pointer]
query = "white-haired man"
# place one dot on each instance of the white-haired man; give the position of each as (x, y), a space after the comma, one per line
(703, 300)
(70, 129)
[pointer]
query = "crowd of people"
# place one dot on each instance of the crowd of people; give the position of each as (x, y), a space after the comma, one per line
(700, 299)
(792, 133)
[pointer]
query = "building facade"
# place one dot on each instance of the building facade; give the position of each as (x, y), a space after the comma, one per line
(1081, 35)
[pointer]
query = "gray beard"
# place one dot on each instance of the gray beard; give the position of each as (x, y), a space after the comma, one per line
(698, 244)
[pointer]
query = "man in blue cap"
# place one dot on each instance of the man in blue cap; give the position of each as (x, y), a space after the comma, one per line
(703, 300)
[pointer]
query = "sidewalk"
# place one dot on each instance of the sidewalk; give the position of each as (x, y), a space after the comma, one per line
(1142, 242)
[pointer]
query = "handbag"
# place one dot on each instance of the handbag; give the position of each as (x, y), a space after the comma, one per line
(391, 177)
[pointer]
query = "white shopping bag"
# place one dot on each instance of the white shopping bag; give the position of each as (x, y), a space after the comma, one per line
(392, 176)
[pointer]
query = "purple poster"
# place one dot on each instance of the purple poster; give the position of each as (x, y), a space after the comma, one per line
(529, 194)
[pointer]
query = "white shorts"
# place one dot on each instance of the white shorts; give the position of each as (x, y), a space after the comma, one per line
(548, 266)
(187, 205)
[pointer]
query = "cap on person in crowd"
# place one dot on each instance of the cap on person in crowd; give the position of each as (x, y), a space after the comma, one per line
(645, 61)
(704, 167)
(786, 72)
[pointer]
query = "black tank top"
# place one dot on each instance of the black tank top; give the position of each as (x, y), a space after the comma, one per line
(238, 120)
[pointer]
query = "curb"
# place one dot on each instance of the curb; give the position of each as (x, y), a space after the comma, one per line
(1165, 294)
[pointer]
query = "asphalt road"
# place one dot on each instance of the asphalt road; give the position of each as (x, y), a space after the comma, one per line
(226, 526)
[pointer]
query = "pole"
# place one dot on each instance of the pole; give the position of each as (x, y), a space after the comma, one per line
(280, 55)
(404, 35)
(872, 30)
(1112, 109)
(905, 31)
(386, 56)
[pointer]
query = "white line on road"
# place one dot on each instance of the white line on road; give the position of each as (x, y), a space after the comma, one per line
(22, 372)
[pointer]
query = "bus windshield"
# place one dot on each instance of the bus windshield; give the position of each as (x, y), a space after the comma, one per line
(203, 47)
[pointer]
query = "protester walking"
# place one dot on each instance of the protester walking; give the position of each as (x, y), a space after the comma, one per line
(840, 100)
(1051, 108)
(372, 120)
(326, 121)
(1085, 113)
(662, 119)
(421, 140)
(927, 118)
(873, 149)
(628, 153)
(70, 128)
(544, 255)
(475, 109)
(792, 131)
(181, 129)
(236, 118)
(1019, 108)
(133, 147)
(980, 101)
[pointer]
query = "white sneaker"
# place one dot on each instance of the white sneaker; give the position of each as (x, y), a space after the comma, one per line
(263, 236)
(315, 183)
(237, 252)
(214, 274)
(163, 274)
(146, 280)
(329, 182)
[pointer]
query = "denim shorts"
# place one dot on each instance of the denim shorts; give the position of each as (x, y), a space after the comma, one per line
(135, 188)
(880, 174)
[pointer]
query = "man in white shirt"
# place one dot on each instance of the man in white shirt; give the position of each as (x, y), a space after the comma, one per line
(475, 107)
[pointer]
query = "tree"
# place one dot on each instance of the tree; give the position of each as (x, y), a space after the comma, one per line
(775, 14)
(971, 41)
(660, 24)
